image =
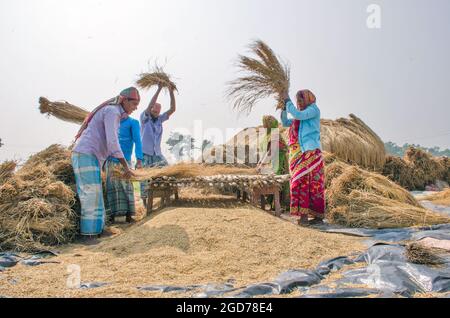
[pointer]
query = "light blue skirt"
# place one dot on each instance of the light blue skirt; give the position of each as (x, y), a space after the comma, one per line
(89, 188)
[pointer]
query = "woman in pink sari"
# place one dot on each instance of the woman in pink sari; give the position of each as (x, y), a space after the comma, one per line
(306, 163)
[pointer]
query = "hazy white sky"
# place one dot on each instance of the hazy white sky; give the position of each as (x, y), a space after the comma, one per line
(395, 78)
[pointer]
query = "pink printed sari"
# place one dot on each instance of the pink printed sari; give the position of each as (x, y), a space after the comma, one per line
(307, 178)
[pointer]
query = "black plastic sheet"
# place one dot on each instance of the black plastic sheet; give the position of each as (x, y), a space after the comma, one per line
(389, 271)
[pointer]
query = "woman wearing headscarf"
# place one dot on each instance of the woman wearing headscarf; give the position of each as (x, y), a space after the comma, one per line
(97, 140)
(273, 140)
(306, 162)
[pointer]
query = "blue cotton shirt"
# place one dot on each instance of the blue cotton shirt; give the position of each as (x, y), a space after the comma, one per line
(152, 131)
(309, 130)
(130, 135)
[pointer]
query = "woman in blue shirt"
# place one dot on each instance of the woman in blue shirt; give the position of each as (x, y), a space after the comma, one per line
(306, 163)
(120, 193)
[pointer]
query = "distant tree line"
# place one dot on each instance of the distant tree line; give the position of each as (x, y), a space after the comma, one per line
(396, 150)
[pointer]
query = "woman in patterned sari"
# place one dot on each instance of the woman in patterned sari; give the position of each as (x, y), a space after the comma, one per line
(306, 163)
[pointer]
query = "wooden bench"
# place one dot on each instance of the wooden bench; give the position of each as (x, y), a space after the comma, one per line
(256, 196)
(163, 192)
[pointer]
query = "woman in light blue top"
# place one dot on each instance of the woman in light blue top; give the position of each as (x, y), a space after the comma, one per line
(306, 163)
(120, 192)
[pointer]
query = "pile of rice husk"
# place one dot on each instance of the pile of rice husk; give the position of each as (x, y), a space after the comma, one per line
(416, 169)
(351, 140)
(360, 198)
(63, 111)
(186, 170)
(182, 246)
(37, 205)
(440, 198)
(156, 77)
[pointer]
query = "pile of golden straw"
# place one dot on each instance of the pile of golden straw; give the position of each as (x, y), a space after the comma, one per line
(416, 169)
(263, 76)
(63, 111)
(7, 170)
(440, 198)
(156, 77)
(360, 198)
(37, 203)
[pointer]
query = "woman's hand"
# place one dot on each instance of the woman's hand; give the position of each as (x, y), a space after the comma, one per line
(128, 174)
(139, 164)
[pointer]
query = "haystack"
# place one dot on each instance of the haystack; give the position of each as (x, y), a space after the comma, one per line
(351, 140)
(38, 206)
(263, 76)
(416, 170)
(63, 111)
(156, 77)
(359, 198)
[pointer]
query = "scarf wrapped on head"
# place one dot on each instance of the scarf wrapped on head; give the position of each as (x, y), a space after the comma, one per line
(129, 93)
(304, 98)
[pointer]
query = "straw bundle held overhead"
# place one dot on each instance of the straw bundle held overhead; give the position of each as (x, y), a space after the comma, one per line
(186, 170)
(264, 76)
(63, 111)
(359, 198)
(37, 203)
(155, 78)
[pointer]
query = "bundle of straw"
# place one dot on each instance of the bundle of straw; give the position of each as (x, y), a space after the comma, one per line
(264, 76)
(7, 170)
(37, 203)
(156, 77)
(360, 198)
(186, 170)
(419, 254)
(416, 169)
(440, 198)
(63, 111)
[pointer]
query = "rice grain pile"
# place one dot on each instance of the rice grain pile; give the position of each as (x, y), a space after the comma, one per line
(263, 76)
(156, 77)
(63, 111)
(416, 169)
(38, 206)
(183, 246)
(359, 198)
